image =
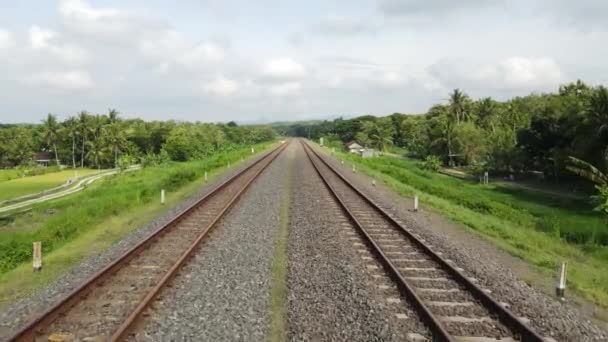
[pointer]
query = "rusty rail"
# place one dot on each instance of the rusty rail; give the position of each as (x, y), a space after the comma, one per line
(505, 316)
(30, 331)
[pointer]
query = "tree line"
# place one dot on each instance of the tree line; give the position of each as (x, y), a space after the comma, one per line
(107, 140)
(538, 132)
(558, 134)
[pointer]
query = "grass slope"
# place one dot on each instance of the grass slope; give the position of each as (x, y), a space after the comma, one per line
(29, 185)
(539, 228)
(90, 221)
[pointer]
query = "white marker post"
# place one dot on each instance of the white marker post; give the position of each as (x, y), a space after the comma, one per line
(415, 202)
(162, 196)
(342, 161)
(205, 176)
(373, 182)
(37, 256)
(228, 164)
(560, 289)
(252, 150)
(354, 168)
(321, 142)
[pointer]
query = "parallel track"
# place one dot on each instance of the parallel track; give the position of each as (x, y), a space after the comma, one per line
(449, 303)
(106, 305)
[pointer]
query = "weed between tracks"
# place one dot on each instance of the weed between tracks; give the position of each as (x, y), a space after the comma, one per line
(89, 222)
(541, 229)
(278, 291)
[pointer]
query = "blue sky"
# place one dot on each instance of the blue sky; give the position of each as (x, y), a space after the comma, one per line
(268, 60)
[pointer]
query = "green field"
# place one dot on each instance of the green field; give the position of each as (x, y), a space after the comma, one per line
(89, 221)
(9, 174)
(541, 229)
(29, 185)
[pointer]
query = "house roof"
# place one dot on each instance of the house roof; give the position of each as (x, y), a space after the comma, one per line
(43, 156)
(353, 144)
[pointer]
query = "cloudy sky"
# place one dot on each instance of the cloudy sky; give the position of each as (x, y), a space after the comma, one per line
(220, 60)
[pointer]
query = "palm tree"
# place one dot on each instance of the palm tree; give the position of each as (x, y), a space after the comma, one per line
(51, 133)
(96, 128)
(380, 134)
(458, 101)
(587, 170)
(71, 126)
(599, 178)
(83, 128)
(598, 108)
(115, 134)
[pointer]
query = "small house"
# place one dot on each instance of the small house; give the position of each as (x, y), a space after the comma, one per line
(353, 147)
(43, 158)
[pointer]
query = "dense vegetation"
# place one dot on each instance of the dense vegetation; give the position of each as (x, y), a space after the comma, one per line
(102, 141)
(544, 134)
(537, 226)
(117, 195)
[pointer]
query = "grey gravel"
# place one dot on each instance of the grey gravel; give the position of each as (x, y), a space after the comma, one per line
(19, 313)
(494, 269)
(331, 294)
(223, 293)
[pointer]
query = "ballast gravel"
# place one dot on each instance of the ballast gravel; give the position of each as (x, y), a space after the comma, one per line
(491, 267)
(331, 294)
(222, 294)
(22, 311)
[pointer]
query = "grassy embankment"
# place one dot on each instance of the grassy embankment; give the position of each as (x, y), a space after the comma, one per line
(88, 222)
(537, 227)
(17, 187)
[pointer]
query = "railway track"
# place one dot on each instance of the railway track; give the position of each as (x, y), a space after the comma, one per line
(450, 304)
(106, 306)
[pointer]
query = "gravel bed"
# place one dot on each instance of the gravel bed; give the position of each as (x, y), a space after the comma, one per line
(19, 313)
(494, 269)
(332, 296)
(223, 293)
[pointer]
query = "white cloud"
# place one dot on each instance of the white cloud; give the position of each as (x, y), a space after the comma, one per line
(347, 26)
(6, 39)
(430, 7)
(201, 54)
(510, 74)
(68, 80)
(284, 69)
(526, 72)
(82, 18)
(40, 37)
(222, 86)
(46, 39)
(286, 88)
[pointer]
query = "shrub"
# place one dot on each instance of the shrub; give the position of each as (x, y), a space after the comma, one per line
(432, 163)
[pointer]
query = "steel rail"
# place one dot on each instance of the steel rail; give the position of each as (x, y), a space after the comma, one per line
(505, 316)
(35, 326)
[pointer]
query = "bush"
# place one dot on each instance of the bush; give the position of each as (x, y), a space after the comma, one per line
(432, 163)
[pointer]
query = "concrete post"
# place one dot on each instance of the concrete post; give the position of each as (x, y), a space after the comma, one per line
(37, 256)
(162, 196)
(205, 176)
(560, 289)
(416, 203)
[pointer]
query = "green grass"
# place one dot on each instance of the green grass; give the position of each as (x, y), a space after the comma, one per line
(89, 221)
(537, 227)
(9, 174)
(29, 185)
(278, 290)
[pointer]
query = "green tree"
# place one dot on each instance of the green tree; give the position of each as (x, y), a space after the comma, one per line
(599, 178)
(51, 133)
(458, 105)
